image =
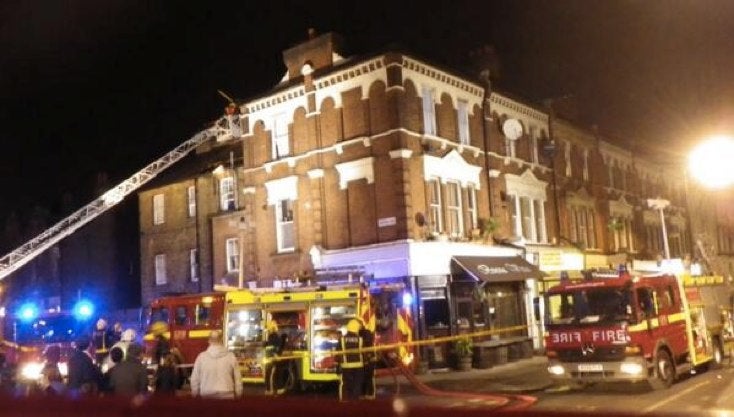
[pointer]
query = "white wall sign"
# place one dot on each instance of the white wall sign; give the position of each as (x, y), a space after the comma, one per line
(386, 221)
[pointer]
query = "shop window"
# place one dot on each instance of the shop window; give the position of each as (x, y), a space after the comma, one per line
(202, 314)
(436, 313)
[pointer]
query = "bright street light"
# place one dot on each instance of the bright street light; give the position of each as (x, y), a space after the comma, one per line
(710, 162)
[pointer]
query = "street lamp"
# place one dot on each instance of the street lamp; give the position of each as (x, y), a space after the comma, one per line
(710, 162)
(660, 205)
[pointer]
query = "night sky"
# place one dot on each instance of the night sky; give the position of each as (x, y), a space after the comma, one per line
(90, 86)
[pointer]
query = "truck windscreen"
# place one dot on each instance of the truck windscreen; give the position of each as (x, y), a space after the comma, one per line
(594, 305)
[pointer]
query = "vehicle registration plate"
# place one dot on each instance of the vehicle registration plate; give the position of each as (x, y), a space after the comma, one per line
(590, 367)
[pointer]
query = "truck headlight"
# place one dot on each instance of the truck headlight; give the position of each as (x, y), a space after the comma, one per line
(31, 370)
(556, 370)
(631, 368)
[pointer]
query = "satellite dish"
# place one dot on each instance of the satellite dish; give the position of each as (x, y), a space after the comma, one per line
(512, 128)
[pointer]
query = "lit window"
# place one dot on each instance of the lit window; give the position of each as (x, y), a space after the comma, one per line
(233, 255)
(454, 225)
(159, 209)
(586, 165)
(194, 265)
(226, 193)
(284, 227)
(191, 200)
(463, 122)
(160, 270)
(567, 158)
(434, 202)
(281, 146)
(429, 111)
(527, 216)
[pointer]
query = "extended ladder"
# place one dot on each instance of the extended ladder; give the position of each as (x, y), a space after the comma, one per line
(34, 247)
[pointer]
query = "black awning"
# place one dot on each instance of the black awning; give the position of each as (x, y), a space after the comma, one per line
(496, 268)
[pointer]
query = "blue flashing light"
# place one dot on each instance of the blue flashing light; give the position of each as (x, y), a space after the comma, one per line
(83, 310)
(407, 299)
(28, 312)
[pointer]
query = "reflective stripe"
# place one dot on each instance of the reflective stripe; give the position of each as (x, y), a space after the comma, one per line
(346, 363)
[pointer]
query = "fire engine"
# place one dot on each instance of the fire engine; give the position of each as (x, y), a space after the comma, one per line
(311, 319)
(190, 319)
(30, 332)
(635, 327)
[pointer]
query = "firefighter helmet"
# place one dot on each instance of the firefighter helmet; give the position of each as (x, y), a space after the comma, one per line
(158, 327)
(128, 335)
(101, 324)
(353, 326)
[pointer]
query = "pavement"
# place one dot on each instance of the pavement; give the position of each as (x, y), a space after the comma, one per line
(517, 377)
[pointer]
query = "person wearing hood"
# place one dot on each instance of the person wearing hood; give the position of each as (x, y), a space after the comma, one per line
(216, 373)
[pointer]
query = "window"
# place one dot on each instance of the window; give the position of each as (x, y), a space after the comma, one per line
(567, 158)
(622, 234)
(284, 227)
(610, 173)
(528, 217)
(281, 146)
(202, 313)
(585, 173)
(509, 147)
(160, 270)
(471, 207)
(226, 193)
(581, 226)
(463, 122)
(454, 225)
(233, 255)
(159, 209)
(534, 148)
(191, 199)
(434, 203)
(194, 265)
(429, 112)
(180, 316)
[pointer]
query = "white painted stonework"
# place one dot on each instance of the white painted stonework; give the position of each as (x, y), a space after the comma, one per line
(451, 167)
(356, 170)
(282, 189)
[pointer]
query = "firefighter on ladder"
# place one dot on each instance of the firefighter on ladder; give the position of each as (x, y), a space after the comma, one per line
(351, 363)
(271, 368)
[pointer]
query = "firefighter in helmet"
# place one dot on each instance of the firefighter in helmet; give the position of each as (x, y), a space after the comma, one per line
(351, 362)
(370, 362)
(271, 367)
(101, 340)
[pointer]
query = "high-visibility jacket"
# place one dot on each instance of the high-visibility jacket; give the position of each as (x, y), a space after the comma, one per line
(353, 359)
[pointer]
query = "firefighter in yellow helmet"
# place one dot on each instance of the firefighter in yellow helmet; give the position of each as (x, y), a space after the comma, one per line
(351, 362)
(271, 367)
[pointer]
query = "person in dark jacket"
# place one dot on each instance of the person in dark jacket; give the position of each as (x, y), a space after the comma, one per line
(129, 377)
(83, 376)
(166, 378)
(116, 356)
(272, 368)
(51, 380)
(370, 362)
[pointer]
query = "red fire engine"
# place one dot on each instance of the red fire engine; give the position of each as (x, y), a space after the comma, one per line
(633, 327)
(190, 319)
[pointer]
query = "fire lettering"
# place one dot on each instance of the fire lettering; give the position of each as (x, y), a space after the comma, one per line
(609, 335)
(565, 337)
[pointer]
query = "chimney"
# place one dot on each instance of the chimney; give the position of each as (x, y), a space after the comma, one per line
(319, 51)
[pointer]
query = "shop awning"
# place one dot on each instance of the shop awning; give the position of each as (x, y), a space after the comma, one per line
(496, 268)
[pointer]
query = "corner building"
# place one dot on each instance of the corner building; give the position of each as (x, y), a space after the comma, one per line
(387, 168)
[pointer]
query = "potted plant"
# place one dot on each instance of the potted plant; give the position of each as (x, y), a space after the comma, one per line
(463, 349)
(487, 227)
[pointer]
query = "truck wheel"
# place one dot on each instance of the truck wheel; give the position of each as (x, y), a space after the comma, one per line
(664, 371)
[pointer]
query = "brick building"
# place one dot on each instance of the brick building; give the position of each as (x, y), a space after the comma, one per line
(391, 166)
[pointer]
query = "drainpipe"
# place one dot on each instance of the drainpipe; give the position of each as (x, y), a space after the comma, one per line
(487, 117)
